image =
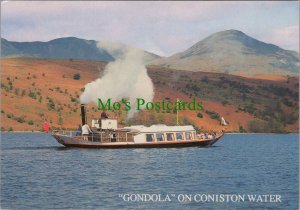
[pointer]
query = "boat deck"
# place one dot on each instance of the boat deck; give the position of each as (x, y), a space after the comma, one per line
(125, 140)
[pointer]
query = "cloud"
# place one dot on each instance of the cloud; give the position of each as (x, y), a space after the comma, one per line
(287, 37)
(162, 27)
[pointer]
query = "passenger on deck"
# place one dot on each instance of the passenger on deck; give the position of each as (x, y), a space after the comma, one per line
(104, 115)
(114, 137)
(111, 137)
(78, 131)
(214, 135)
(85, 131)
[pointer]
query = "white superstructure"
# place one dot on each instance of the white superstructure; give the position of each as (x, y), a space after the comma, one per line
(160, 133)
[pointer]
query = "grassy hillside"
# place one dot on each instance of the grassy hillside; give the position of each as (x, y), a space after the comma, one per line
(34, 90)
(272, 105)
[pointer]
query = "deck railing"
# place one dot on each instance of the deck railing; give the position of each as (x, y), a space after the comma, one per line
(101, 136)
(64, 132)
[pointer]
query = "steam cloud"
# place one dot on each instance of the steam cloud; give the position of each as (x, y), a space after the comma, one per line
(126, 77)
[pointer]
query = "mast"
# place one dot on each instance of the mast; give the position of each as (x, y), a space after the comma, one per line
(177, 114)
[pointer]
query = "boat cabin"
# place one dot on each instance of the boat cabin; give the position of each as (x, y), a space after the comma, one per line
(161, 133)
(107, 128)
(110, 124)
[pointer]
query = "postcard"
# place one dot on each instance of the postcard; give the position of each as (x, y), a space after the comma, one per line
(149, 104)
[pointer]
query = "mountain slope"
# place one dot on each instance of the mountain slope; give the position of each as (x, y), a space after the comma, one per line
(8, 49)
(62, 48)
(34, 90)
(234, 52)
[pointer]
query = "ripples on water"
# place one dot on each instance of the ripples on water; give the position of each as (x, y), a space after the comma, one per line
(38, 173)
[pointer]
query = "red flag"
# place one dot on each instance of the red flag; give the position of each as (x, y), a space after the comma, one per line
(46, 127)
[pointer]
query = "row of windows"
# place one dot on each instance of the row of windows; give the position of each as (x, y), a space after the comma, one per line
(169, 136)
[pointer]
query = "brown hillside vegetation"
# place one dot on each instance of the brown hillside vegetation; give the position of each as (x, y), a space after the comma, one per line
(47, 80)
(34, 90)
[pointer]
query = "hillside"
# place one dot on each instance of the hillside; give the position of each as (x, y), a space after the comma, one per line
(34, 90)
(62, 48)
(236, 53)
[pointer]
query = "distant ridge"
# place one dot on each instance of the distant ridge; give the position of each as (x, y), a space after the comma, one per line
(233, 52)
(61, 48)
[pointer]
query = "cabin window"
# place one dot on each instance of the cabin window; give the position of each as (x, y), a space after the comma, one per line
(188, 136)
(179, 136)
(170, 136)
(149, 137)
(159, 137)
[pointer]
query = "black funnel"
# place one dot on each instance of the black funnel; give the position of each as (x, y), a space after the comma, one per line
(83, 114)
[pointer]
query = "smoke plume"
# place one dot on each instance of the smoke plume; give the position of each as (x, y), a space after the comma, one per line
(126, 77)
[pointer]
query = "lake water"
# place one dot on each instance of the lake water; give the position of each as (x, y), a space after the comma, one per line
(38, 173)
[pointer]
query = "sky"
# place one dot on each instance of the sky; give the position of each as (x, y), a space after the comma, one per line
(161, 27)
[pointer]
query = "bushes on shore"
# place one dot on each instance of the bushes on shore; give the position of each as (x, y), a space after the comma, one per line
(76, 76)
(213, 115)
(262, 126)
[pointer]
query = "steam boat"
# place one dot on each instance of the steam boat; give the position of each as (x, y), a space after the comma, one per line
(105, 134)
